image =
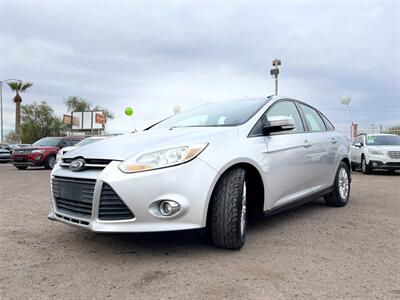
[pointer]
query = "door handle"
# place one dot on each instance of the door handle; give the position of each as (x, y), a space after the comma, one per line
(307, 144)
(333, 141)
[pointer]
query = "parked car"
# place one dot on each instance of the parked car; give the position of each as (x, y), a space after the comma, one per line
(41, 153)
(376, 151)
(208, 167)
(7, 149)
(83, 142)
(5, 155)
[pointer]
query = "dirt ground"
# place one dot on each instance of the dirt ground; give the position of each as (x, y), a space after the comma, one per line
(309, 252)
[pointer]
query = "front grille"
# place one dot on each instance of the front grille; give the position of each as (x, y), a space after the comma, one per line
(89, 162)
(394, 154)
(393, 164)
(22, 151)
(73, 196)
(111, 206)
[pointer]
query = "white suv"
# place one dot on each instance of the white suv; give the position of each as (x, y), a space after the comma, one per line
(376, 151)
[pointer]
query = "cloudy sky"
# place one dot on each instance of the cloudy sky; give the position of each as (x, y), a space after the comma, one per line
(153, 55)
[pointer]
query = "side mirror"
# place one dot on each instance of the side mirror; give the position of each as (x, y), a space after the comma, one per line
(277, 123)
(358, 145)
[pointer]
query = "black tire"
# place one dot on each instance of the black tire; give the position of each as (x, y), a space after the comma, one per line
(226, 210)
(365, 168)
(50, 162)
(336, 198)
(21, 167)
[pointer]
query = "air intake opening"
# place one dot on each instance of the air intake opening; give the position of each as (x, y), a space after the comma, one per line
(111, 206)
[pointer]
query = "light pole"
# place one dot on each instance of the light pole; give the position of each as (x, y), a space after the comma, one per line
(346, 101)
(275, 71)
(1, 104)
(176, 109)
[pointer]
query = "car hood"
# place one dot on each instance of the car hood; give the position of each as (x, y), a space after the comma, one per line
(37, 147)
(124, 146)
(70, 148)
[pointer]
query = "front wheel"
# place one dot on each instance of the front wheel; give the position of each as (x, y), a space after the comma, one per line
(228, 210)
(364, 166)
(341, 188)
(50, 162)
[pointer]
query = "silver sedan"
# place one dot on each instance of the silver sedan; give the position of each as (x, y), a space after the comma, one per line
(208, 167)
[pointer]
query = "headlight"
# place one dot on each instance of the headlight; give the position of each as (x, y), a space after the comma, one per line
(375, 152)
(161, 159)
(37, 151)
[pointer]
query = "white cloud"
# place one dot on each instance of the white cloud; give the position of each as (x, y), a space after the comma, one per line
(152, 56)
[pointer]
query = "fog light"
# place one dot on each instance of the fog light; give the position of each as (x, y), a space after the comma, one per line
(37, 157)
(374, 164)
(169, 208)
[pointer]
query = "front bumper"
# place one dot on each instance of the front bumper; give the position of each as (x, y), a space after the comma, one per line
(32, 160)
(188, 184)
(5, 158)
(377, 164)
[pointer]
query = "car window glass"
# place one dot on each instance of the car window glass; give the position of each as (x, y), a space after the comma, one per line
(312, 118)
(73, 142)
(287, 108)
(327, 123)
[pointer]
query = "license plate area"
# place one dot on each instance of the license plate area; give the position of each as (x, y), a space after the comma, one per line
(70, 191)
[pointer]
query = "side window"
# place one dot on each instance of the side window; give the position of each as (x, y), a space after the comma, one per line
(312, 118)
(286, 108)
(63, 143)
(72, 142)
(328, 124)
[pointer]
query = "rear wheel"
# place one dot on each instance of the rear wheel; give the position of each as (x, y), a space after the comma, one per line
(341, 188)
(21, 167)
(50, 162)
(228, 210)
(366, 169)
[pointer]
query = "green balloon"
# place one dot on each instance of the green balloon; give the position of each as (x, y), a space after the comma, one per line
(129, 111)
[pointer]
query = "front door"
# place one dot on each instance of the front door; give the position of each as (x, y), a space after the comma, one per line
(286, 150)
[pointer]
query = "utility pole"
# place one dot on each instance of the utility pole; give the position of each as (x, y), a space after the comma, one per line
(275, 72)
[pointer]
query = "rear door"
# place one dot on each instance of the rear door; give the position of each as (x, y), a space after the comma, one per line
(319, 164)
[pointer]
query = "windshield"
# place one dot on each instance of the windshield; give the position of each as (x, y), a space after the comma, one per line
(230, 113)
(49, 141)
(88, 141)
(380, 140)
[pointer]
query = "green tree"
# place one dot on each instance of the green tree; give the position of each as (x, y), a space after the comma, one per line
(393, 129)
(75, 103)
(38, 121)
(18, 87)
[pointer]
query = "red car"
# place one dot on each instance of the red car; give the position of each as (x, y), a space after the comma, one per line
(42, 153)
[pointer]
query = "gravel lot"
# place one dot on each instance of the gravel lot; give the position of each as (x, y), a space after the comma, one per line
(313, 251)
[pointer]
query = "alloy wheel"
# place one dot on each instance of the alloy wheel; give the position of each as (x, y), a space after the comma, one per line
(52, 162)
(343, 183)
(243, 213)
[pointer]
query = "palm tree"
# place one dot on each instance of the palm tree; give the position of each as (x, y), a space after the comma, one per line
(18, 87)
